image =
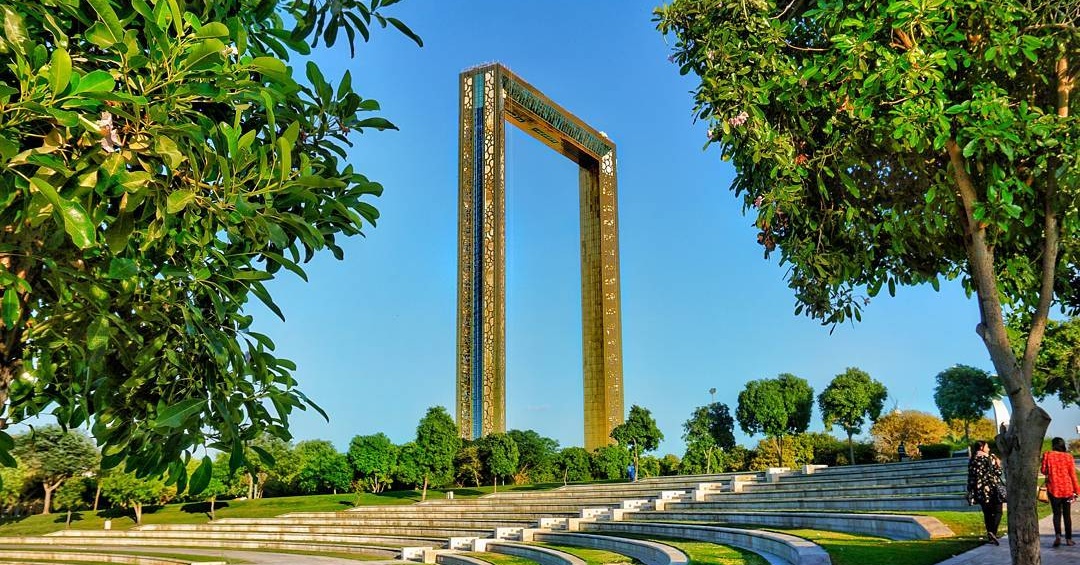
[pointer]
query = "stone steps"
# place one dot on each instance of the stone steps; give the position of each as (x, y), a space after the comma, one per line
(907, 503)
(952, 487)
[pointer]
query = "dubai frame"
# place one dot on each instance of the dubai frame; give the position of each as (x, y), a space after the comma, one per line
(490, 96)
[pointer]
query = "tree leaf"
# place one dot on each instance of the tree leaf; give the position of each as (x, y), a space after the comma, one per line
(9, 305)
(77, 223)
(213, 29)
(108, 17)
(97, 334)
(201, 477)
(178, 200)
(205, 51)
(405, 30)
(15, 30)
(121, 268)
(174, 415)
(59, 70)
(95, 81)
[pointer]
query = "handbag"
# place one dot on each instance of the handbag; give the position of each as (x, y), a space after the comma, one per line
(1003, 494)
(1042, 495)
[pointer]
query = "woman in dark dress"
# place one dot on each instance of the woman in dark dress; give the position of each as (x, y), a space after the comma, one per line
(986, 488)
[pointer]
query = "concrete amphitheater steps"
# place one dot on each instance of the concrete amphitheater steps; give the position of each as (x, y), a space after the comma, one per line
(891, 526)
(236, 544)
(904, 503)
(845, 490)
(797, 483)
(907, 468)
(349, 527)
(54, 556)
(363, 534)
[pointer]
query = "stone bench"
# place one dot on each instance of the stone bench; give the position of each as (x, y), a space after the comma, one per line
(647, 552)
(789, 549)
(891, 526)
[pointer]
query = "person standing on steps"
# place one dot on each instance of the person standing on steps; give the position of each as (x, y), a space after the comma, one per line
(1061, 487)
(986, 488)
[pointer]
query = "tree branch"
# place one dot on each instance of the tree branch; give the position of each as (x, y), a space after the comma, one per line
(992, 326)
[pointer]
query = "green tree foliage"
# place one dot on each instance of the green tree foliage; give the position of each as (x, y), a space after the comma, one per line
(536, 456)
(669, 465)
(775, 407)
(127, 490)
(53, 455)
(270, 467)
(574, 465)
(828, 450)
(911, 427)
(322, 469)
(791, 451)
(500, 455)
(650, 466)
(436, 443)
(851, 398)
(70, 497)
(1057, 367)
(638, 434)
(965, 393)
(893, 142)
(708, 432)
(14, 481)
(468, 467)
(159, 163)
(219, 482)
(372, 460)
(610, 462)
(408, 471)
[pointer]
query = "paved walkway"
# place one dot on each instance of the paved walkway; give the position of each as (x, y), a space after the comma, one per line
(253, 557)
(999, 555)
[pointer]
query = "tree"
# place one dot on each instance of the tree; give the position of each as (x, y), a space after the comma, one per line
(219, 483)
(70, 496)
(962, 431)
(1057, 367)
(669, 465)
(127, 490)
(536, 456)
(850, 398)
(638, 433)
(271, 465)
(775, 407)
(710, 428)
(53, 455)
(322, 469)
(14, 481)
(500, 456)
(158, 166)
(436, 443)
(910, 427)
(407, 469)
(609, 462)
(468, 466)
(372, 460)
(896, 142)
(574, 464)
(791, 451)
(965, 393)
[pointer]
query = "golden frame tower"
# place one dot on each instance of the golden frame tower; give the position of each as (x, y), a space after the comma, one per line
(490, 96)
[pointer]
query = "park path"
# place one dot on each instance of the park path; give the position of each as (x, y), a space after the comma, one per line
(999, 555)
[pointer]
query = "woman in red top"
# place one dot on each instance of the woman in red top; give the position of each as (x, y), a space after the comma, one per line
(1061, 486)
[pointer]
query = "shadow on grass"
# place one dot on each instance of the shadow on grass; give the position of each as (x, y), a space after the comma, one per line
(202, 507)
(62, 518)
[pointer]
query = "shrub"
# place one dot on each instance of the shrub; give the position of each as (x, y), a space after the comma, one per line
(936, 451)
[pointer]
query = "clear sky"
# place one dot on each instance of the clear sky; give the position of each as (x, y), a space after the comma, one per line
(374, 335)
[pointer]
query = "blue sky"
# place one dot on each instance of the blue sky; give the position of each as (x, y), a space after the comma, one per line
(374, 335)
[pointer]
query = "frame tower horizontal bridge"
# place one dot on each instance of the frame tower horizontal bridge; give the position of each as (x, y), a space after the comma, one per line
(491, 95)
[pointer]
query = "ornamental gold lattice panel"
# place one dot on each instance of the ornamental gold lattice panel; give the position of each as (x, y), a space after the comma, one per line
(490, 96)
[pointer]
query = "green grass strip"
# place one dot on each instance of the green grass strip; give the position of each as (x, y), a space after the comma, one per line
(590, 556)
(500, 559)
(703, 552)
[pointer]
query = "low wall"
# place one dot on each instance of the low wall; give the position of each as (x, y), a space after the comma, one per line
(647, 552)
(541, 555)
(790, 549)
(892, 526)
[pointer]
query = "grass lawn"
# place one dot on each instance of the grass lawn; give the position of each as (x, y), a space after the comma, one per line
(500, 559)
(705, 553)
(181, 556)
(591, 556)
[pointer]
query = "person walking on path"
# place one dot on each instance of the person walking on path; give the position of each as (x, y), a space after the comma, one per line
(1061, 486)
(986, 488)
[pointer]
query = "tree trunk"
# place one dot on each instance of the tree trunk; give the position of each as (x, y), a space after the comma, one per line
(851, 449)
(251, 486)
(1022, 445)
(708, 461)
(495, 481)
(67, 526)
(423, 496)
(967, 431)
(138, 513)
(97, 496)
(212, 515)
(49, 489)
